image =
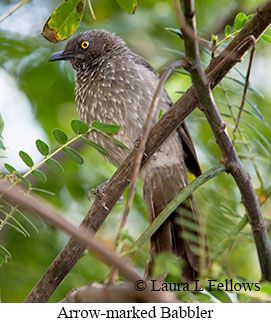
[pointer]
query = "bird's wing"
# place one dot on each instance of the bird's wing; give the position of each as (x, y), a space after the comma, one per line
(190, 156)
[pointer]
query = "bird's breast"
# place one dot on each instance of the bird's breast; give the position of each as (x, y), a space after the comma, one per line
(122, 97)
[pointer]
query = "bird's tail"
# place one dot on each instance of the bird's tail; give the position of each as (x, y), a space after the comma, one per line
(182, 233)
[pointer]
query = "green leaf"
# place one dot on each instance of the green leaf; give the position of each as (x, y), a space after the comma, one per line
(26, 159)
(27, 220)
(39, 175)
(19, 225)
(60, 136)
(214, 39)
(2, 146)
(42, 147)
(54, 166)
(1, 124)
(24, 180)
(73, 155)
(96, 146)
(161, 112)
(42, 191)
(119, 143)
(175, 31)
(250, 87)
(10, 168)
(240, 20)
(175, 51)
(64, 20)
(4, 252)
(17, 229)
(227, 30)
(79, 127)
(258, 132)
(221, 295)
(128, 5)
(266, 38)
(105, 127)
(266, 288)
(249, 17)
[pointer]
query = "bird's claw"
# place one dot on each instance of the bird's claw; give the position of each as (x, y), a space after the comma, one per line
(98, 191)
(137, 141)
(121, 200)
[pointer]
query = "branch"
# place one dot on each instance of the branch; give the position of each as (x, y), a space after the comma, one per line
(82, 236)
(99, 293)
(15, 8)
(251, 39)
(230, 157)
(217, 69)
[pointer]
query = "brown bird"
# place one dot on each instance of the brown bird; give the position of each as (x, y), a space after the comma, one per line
(115, 85)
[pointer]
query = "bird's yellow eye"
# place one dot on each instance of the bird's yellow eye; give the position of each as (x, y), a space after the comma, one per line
(84, 44)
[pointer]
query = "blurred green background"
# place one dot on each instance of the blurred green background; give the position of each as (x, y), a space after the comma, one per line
(37, 96)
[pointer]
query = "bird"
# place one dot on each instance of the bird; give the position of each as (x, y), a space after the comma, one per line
(114, 85)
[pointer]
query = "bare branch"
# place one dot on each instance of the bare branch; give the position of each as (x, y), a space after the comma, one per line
(68, 257)
(82, 236)
(15, 8)
(99, 293)
(230, 158)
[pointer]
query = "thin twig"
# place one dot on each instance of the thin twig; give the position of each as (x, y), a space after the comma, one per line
(82, 236)
(181, 109)
(187, 28)
(253, 41)
(91, 10)
(15, 8)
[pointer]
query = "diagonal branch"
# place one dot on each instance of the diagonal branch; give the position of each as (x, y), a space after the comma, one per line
(82, 236)
(230, 157)
(217, 69)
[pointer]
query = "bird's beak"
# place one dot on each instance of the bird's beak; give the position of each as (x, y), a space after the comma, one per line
(61, 56)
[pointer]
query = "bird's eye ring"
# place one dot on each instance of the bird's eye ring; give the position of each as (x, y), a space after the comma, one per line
(84, 44)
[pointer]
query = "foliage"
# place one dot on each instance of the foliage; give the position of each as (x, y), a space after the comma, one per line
(26, 243)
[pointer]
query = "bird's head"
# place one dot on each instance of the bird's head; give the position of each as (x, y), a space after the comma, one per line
(90, 48)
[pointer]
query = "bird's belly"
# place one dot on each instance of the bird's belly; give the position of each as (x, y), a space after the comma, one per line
(168, 155)
(131, 124)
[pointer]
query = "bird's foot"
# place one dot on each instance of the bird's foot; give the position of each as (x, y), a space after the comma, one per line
(99, 192)
(137, 141)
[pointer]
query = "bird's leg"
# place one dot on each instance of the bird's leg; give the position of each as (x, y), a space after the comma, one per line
(98, 191)
(137, 142)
